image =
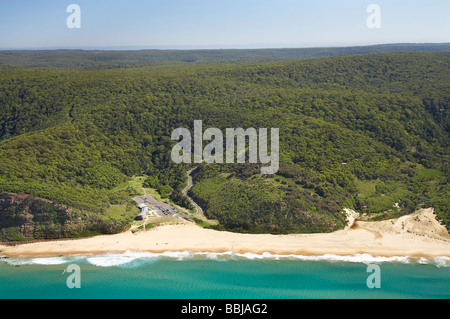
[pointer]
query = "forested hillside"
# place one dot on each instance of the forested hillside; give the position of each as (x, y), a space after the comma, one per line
(369, 132)
(110, 59)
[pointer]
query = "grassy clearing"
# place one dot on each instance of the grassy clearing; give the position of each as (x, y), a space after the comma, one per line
(126, 212)
(134, 184)
(426, 174)
(123, 213)
(153, 222)
(204, 222)
(367, 188)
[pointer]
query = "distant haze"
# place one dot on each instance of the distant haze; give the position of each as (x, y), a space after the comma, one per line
(206, 24)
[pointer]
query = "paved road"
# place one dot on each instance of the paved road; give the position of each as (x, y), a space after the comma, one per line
(199, 210)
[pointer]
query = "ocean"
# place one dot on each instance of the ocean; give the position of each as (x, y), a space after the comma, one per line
(185, 275)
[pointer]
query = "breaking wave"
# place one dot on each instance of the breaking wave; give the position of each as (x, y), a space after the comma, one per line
(131, 258)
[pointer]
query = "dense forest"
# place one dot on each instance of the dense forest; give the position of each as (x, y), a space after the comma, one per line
(368, 131)
(113, 59)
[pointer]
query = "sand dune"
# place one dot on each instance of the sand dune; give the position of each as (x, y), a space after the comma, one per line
(419, 234)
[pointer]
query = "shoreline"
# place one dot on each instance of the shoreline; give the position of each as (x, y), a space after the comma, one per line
(418, 235)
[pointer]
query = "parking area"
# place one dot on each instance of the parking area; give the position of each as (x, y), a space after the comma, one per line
(156, 208)
(165, 211)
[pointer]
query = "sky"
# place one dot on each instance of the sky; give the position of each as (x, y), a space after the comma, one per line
(191, 24)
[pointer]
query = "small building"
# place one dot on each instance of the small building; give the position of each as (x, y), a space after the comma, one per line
(143, 213)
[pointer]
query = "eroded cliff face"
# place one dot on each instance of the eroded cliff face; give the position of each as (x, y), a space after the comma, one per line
(24, 217)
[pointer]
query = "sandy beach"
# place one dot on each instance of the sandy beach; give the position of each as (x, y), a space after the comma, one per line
(415, 235)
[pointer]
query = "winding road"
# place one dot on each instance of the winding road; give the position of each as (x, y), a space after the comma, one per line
(199, 210)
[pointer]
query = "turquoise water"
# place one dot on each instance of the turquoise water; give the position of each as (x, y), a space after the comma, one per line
(217, 276)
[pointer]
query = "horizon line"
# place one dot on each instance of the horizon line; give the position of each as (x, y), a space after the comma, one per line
(216, 47)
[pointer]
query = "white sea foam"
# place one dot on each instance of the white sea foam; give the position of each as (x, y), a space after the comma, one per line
(358, 258)
(16, 261)
(127, 258)
(36, 261)
(441, 261)
(110, 260)
(49, 261)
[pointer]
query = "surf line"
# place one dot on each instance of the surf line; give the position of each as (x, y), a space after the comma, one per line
(214, 153)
